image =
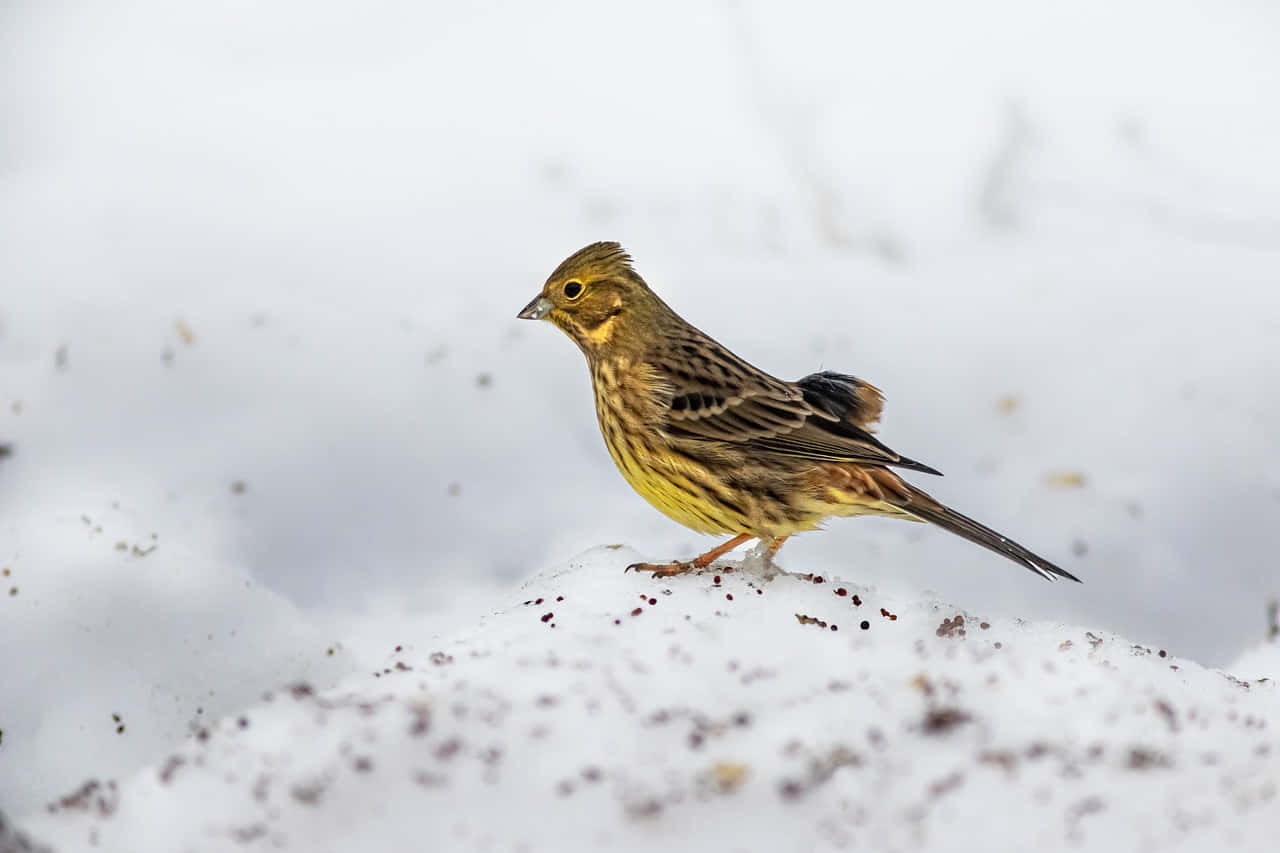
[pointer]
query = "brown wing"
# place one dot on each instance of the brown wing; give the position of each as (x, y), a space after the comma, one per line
(716, 396)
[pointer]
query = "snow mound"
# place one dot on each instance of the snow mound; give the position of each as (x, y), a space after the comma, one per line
(607, 710)
(119, 641)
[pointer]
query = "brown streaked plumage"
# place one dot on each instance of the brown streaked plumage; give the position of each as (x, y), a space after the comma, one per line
(721, 446)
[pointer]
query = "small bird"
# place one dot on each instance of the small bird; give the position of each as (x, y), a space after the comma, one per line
(721, 446)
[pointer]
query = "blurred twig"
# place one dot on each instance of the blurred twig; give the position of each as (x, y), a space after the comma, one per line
(1177, 208)
(1273, 619)
(998, 198)
(792, 124)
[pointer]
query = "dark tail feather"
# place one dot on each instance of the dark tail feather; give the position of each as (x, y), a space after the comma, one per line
(926, 508)
(913, 465)
(856, 407)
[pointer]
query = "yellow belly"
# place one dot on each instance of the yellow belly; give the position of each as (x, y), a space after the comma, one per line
(675, 487)
(678, 486)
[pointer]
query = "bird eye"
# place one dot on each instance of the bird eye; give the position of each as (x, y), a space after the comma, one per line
(573, 289)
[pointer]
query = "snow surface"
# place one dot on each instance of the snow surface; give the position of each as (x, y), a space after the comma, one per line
(602, 710)
(267, 412)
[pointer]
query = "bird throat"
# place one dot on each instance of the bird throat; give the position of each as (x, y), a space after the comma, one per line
(592, 333)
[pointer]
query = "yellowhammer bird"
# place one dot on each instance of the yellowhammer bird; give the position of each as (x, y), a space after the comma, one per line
(723, 447)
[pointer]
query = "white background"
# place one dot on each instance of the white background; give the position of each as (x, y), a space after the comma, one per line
(284, 245)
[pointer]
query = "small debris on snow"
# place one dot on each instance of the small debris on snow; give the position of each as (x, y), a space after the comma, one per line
(697, 705)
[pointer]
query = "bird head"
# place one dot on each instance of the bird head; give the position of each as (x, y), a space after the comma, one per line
(593, 294)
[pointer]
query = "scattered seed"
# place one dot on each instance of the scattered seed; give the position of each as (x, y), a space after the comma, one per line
(938, 720)
(1065, 479)
(1007, 404)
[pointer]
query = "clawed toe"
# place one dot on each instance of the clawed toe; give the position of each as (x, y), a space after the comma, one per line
(661, 570)
(666, 570)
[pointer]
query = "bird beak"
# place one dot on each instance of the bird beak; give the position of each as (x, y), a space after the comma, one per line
(537, 309)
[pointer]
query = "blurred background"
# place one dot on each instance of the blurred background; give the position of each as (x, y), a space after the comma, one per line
(266, 412)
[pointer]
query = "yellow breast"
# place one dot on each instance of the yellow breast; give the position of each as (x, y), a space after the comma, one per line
(676, 486)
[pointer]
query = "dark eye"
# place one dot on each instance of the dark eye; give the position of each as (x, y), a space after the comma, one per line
(573, 289)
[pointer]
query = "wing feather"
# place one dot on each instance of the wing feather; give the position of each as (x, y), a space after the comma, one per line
(715, 396)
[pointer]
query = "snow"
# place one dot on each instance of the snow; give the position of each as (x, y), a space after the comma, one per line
(268, 412)
(603, 710)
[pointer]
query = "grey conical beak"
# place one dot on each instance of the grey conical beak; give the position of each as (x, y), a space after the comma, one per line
(537, 309)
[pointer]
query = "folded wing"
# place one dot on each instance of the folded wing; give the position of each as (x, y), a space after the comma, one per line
(824, 417)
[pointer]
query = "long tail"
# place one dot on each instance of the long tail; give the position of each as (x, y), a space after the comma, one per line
(926, 508)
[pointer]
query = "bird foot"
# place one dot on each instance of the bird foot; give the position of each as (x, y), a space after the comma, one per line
(664, 570)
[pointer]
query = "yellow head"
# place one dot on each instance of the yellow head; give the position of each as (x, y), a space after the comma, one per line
(594, 294)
